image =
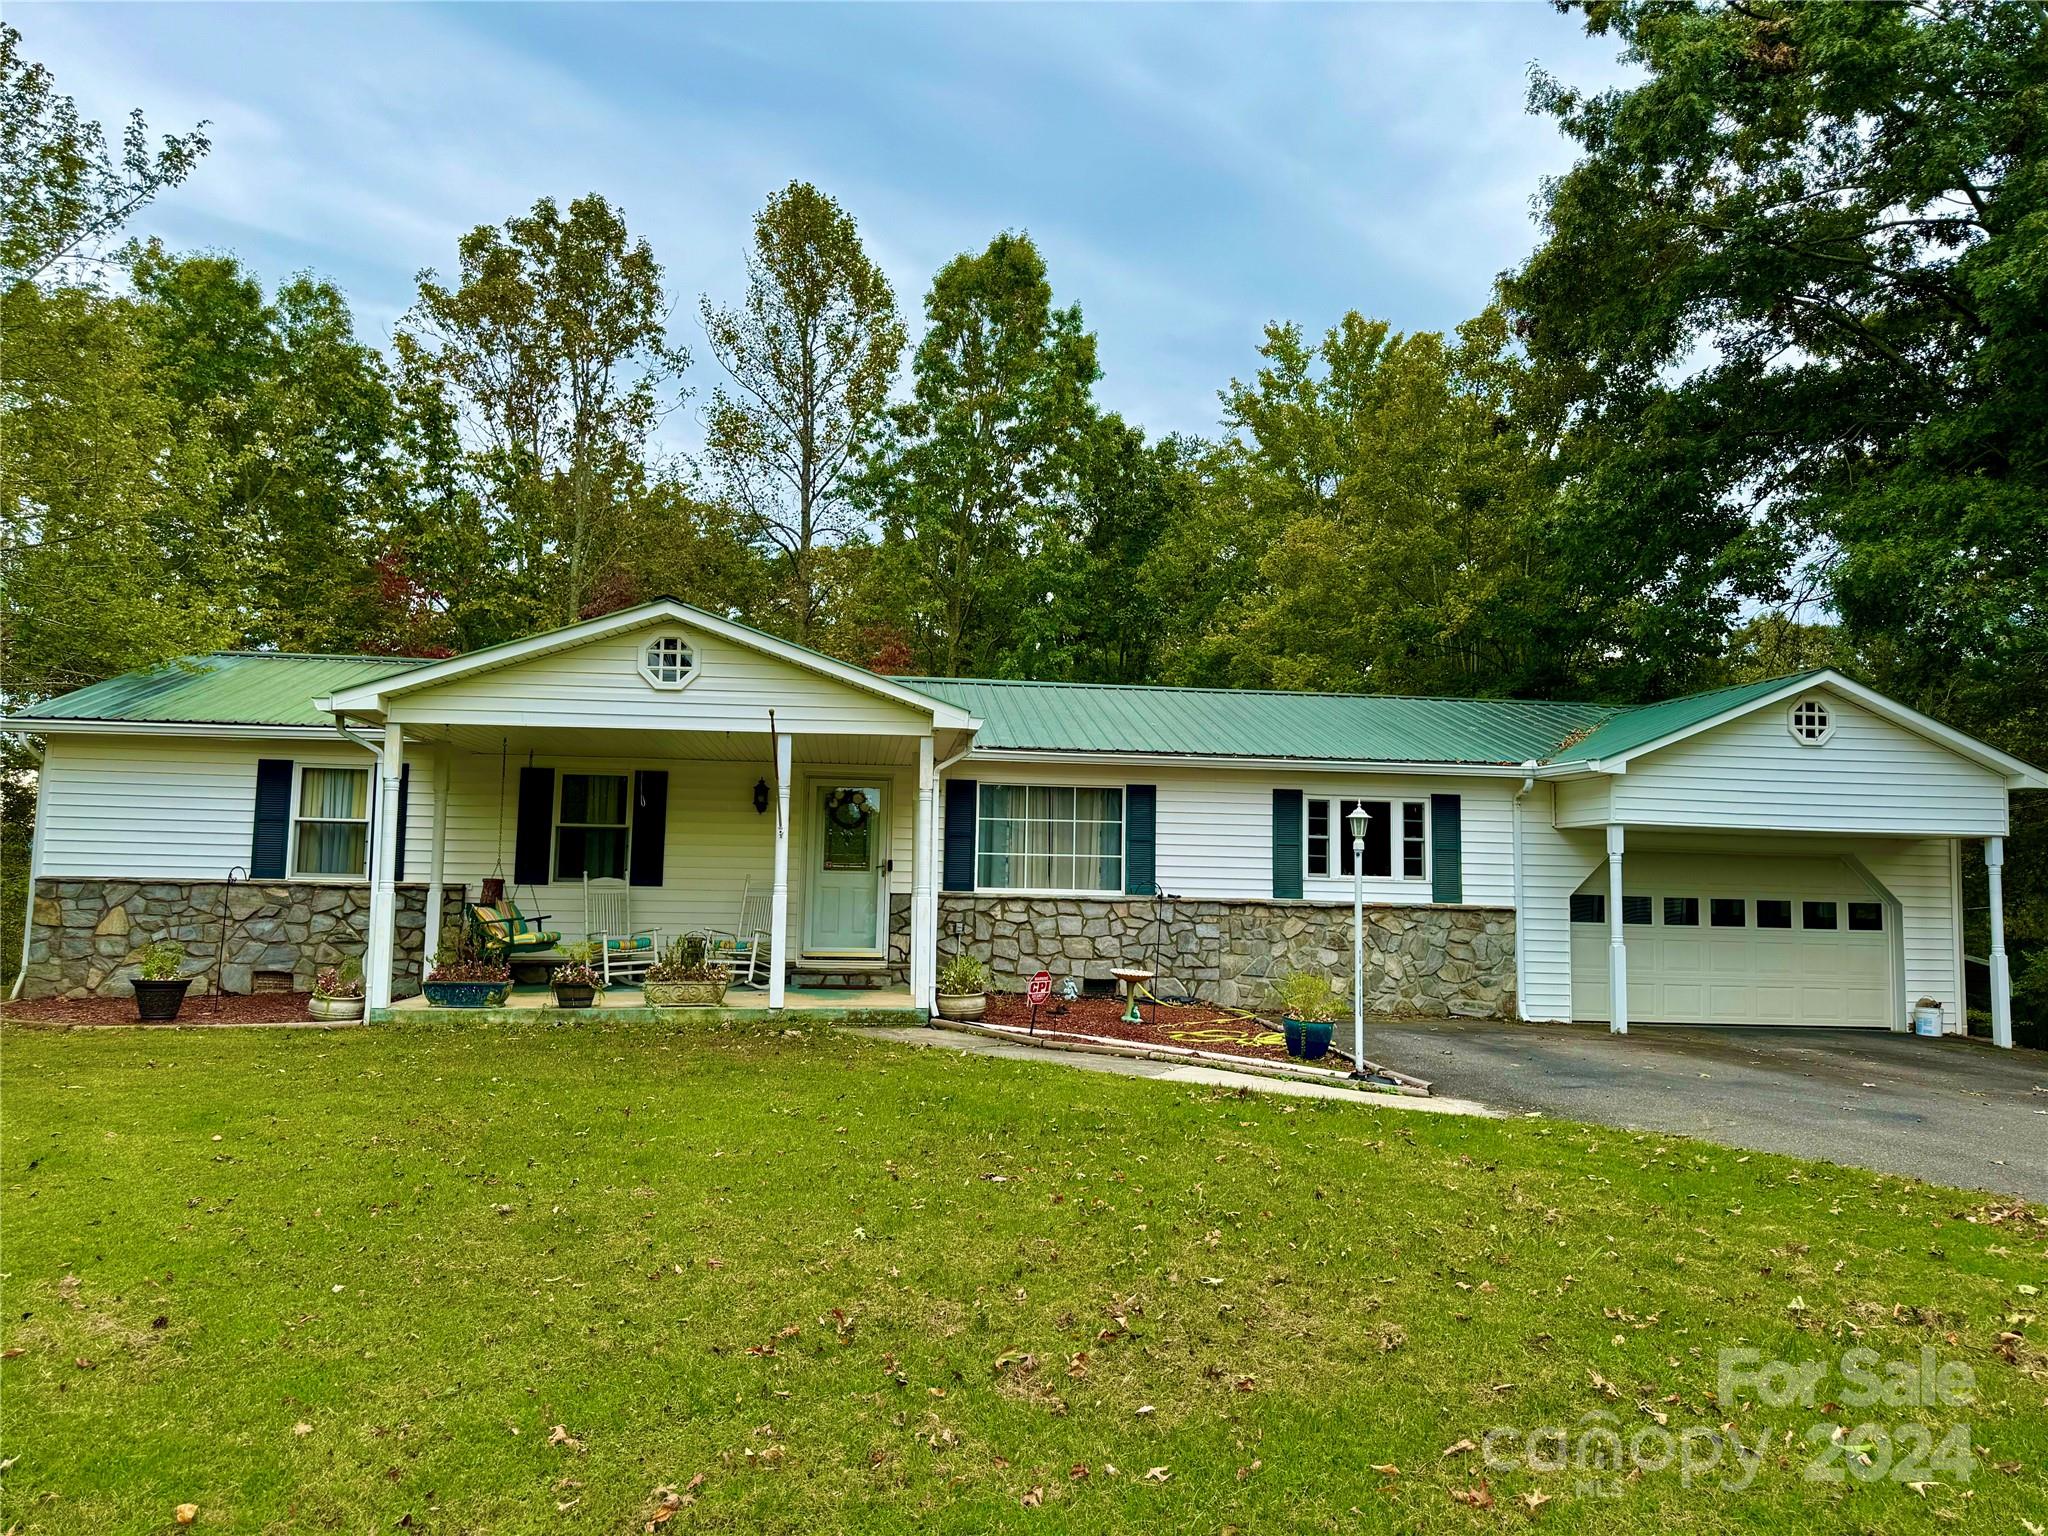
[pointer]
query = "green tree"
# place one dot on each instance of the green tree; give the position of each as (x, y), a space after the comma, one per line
(1370, 521)
(982, 453)
(810, 353)
(61, 189)
(303, 422)
(553, 348)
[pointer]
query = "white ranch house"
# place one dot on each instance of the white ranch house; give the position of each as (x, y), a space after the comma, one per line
(1782, 853)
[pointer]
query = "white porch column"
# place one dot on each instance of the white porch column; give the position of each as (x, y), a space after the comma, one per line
(1617, 951)
(924, 911)
(2001, 972)
(381, 941)
(437, 859)
(779, 951)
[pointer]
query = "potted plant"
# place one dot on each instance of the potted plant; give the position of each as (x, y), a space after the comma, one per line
(159, 989)
(463, 977)
(1309, 1008)
(337, 992)
(576, 984)
(684, 977)
(963, 988)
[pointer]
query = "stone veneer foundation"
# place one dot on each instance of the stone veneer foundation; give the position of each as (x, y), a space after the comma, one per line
(1436, 960)
(87, 936)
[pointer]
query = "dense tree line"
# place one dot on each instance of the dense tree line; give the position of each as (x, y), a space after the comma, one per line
(1771, 391)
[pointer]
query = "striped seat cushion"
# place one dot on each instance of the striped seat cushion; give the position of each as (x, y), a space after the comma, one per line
(630, 941)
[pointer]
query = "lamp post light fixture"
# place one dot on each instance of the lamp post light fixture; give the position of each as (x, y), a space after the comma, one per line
(1357, 820)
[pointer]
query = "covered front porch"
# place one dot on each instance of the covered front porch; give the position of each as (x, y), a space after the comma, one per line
(801, 1005)
(665, 773)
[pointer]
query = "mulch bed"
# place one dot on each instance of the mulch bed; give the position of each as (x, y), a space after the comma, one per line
(1216, 1030)
(233, 1008)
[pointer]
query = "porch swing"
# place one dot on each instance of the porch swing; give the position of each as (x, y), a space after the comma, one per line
(498, 926)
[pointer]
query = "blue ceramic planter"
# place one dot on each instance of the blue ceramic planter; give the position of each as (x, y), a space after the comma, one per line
(1307, 1038)
(466, 994)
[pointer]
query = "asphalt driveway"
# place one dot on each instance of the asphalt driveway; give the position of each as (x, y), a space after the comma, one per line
(1948, 1111)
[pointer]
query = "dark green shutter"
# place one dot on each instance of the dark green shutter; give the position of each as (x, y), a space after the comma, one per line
(1446, 848)
(1141, 840)
(1287, 844)
(536, 825)
(404, 793)
(650, 826)
(963, 808)
(273, 818)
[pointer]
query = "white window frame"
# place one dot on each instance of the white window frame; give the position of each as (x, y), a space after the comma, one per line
(1340, 836)
(1800, 733)
(365, 821)
(1098, 893)
(654, 679)
(562, 777)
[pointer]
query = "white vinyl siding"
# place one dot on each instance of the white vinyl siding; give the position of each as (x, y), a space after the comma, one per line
(1554, 863)
(1215, 826)
(1869, 776)
(161, 808)
(599, 685)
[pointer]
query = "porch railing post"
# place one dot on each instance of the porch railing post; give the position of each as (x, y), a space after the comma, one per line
(778, 950)
(2001, 968)
(1617, 945)
(437, 859)
(380, 942)
(924, 924)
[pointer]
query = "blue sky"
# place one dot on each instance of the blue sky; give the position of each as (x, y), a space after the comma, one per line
(1189, 171)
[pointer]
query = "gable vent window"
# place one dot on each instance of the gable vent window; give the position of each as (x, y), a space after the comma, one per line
(668, 662)
(1811, 722)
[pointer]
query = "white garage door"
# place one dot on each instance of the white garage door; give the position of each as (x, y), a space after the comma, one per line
(1723, 940)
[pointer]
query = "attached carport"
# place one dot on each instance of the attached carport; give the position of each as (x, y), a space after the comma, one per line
(1785, 853)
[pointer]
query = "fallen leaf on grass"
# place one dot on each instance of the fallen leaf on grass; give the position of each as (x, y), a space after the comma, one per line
(302, 1428)
(1535, 1498)
(1603, 1386)
(558, 1434)
(1078, 1472)
(187, 1513)
(1033, 1498)
(1458, 1449)
(1480, 1497)
(1146, 1410)
(1157, 1475)
(1386, 1469)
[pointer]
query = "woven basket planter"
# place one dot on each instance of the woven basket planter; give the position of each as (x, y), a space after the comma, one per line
(684, 994)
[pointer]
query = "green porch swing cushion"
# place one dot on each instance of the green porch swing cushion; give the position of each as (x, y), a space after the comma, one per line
(504, 928)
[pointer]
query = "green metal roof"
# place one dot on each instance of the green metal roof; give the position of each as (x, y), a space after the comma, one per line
(263, 688)
(1228, 722)
(1637, 727)
(231, 688)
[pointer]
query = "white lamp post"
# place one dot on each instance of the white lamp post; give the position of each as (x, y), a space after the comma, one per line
(1357, 820)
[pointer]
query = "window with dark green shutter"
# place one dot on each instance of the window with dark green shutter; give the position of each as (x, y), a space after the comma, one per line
(956, 869)
(1141, 840)
(1287, 844)
(1446, 848)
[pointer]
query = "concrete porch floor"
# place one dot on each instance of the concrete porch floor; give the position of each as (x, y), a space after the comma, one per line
(622, 1004)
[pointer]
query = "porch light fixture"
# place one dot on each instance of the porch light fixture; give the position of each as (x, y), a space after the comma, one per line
(760, 797)
(1357, 821)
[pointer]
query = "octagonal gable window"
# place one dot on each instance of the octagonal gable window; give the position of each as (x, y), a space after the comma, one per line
(1811, 722)
(668, 661)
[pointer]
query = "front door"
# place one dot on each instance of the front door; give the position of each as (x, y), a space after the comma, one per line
(849, 870)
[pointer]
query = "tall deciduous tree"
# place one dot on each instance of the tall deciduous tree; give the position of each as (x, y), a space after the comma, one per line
(984, 448)
(810, 353)
(553, 343)
(61, 188)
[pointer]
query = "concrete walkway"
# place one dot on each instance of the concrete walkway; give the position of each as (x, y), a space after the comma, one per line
(1167, 1071)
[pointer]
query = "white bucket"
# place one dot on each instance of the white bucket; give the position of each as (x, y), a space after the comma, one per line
(1926, 1021)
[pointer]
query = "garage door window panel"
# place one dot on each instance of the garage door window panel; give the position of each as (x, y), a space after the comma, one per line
(1728, 912)
(1773, 913)
(1866, 917)
(1681, 911)
(1817, 916)
(1636, 911)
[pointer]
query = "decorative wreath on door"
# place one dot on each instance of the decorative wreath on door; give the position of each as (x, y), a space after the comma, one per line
(848, 808)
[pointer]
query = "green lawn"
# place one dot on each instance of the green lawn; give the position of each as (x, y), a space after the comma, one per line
(352, 1281)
